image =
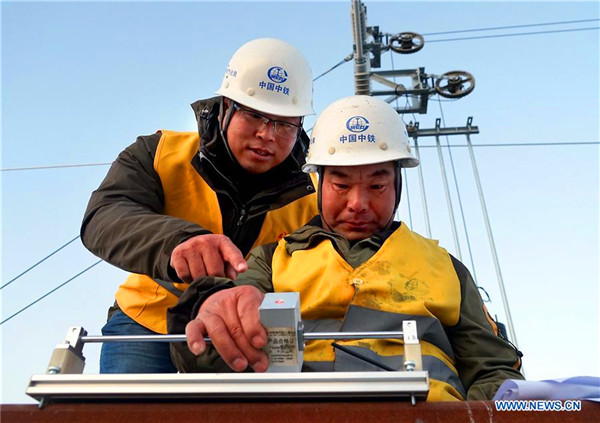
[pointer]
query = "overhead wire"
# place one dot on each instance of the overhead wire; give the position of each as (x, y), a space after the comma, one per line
(10, 169)
(48, 293)
(403, 170)
(496, 28)
(39, 262)
(410, 220)
(523, 144)
(341, 62)
(460, 204)
(515, 34)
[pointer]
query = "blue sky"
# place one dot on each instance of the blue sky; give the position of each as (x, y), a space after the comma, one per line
(80, 80)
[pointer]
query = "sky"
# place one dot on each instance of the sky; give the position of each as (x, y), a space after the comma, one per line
(81, 80)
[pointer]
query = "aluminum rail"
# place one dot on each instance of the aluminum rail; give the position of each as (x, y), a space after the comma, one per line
(206, 387)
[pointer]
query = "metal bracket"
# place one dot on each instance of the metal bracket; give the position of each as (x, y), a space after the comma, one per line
(415, 132)
(67, 358)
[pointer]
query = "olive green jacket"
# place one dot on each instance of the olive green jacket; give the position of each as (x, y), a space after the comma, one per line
(483, 358)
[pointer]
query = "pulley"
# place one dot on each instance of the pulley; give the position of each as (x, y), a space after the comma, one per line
(407, 42)
(455, 84)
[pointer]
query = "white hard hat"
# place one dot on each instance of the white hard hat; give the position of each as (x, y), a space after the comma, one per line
(358, 130)
(270, 76)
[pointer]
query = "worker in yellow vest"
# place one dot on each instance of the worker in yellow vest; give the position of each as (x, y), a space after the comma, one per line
(356, 269)
(176, 206)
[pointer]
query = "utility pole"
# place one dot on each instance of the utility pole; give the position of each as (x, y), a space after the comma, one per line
(369, 43)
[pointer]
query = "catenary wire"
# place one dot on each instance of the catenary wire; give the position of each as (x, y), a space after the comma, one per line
(341, 62)
(511, 27)
(515, 34)
(460, 204)
(522, 144)
(403, 170)
(406, 178)
(405, 183)
(39, 262)
(9, 169)
(48, 293)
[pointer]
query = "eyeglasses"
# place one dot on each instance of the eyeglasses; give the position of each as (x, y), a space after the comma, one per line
(282, 128)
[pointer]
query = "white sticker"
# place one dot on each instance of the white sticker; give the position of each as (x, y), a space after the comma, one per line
(282, 347)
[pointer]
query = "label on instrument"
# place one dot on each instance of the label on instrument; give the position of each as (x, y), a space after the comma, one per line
(282, 347)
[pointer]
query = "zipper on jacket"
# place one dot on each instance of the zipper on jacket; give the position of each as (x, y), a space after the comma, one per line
(243, 215)
(201, 155)
(242, 218)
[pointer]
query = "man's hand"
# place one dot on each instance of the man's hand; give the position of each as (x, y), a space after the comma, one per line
(230, 318)
(207, 255)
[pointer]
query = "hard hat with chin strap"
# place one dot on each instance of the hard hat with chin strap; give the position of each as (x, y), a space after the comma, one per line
(270, 76)
(358, 130)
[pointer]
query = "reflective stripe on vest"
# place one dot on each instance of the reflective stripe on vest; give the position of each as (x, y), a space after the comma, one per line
(437, 369)
(359, 319)
(409, 277)
(188, 196)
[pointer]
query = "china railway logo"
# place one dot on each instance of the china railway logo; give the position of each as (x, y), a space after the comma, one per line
(277, 74)
(357, 124)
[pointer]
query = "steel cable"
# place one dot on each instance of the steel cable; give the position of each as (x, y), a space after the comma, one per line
(462, 212)
(48, 293)
(39, 262)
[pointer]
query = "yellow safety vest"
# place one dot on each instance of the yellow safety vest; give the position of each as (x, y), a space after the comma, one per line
(189, 197)
(410, 277)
